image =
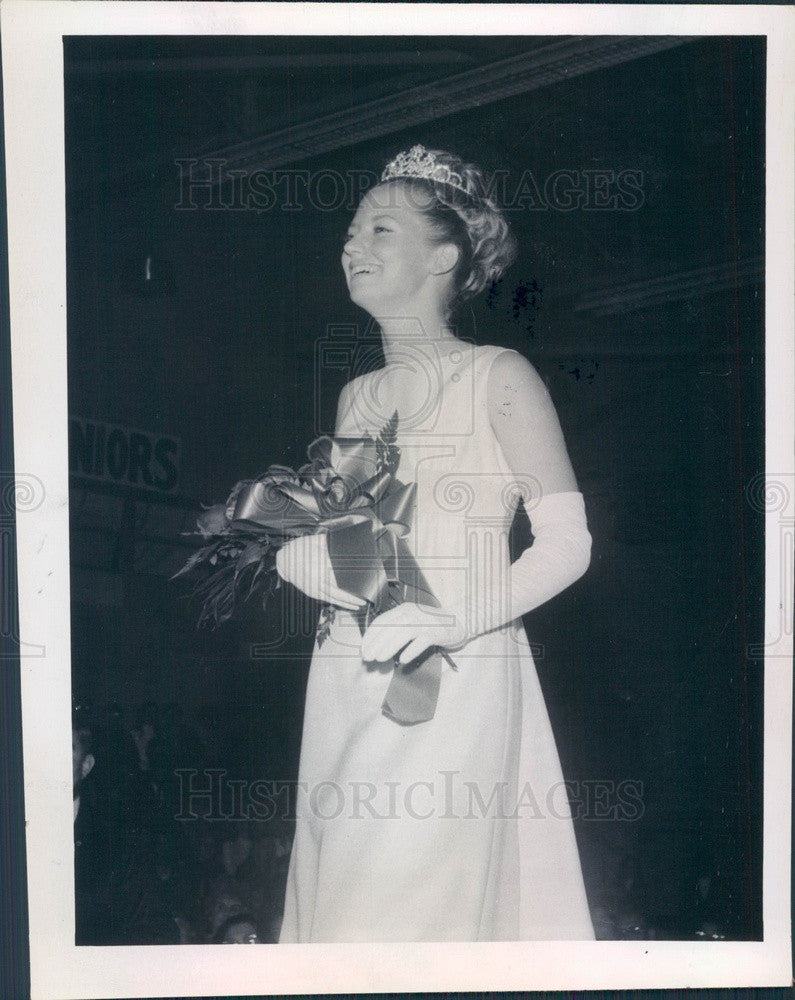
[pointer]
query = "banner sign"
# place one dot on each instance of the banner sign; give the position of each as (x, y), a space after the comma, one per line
(116, 454)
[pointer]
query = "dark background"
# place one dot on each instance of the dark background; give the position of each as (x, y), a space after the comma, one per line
(646, 324)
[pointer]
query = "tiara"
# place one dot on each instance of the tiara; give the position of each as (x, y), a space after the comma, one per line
(419, 162)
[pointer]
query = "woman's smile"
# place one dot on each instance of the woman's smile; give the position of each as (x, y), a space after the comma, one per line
(362, 270)
(387, 241)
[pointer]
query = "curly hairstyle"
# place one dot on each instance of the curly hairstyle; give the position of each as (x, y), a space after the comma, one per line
(471, 220)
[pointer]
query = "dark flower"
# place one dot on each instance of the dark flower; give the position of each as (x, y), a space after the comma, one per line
(213, 520)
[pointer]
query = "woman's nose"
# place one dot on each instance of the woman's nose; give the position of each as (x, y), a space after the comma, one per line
(354, 244)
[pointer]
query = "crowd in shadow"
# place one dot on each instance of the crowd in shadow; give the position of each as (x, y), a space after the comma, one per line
(151, 868)
(145, 871)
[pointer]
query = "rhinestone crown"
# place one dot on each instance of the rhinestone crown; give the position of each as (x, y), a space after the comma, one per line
(419, 162)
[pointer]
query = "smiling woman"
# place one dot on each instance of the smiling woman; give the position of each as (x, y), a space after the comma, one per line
(388, 260)
(448, 824)
(453, 244)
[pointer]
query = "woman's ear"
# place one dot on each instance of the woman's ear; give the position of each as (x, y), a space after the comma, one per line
(444, 258)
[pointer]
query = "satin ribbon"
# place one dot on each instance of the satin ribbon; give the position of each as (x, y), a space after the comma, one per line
(366, 513)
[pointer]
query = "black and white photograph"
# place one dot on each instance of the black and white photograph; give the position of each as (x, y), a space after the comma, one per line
(404, 492)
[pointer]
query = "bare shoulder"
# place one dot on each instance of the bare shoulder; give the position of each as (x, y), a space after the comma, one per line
(349, 393)
(526, 425)
(513, 381)
(356, 385)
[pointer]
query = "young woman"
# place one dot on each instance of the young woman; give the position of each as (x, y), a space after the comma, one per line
(458, 827)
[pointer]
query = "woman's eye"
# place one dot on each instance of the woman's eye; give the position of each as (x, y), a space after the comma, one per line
(382, 229)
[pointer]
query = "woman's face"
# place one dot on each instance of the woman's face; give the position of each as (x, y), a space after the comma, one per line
(387, 257)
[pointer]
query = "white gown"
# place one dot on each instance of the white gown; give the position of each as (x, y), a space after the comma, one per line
(455, 829)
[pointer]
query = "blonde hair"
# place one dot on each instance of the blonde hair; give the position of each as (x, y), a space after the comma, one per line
(470, 219)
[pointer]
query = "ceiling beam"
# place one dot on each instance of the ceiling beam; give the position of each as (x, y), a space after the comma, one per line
(248, 64)
(547, 64)
(675, 286)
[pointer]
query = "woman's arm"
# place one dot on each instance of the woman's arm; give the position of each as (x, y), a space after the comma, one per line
(305, 562)
(343, 406)
(526, 425)
(527, 428)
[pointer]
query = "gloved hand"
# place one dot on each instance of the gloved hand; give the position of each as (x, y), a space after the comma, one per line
(306, 564)
(413, 628)
(559, 555)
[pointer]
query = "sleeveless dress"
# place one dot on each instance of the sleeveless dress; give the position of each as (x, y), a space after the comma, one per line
(458, 828)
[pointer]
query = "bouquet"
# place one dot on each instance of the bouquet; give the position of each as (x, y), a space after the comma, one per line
(349, 490)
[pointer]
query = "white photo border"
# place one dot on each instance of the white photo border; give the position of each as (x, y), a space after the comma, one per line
(32, 54)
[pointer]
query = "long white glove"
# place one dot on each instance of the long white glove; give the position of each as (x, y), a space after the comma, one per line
(559, 555)
(306, 564)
